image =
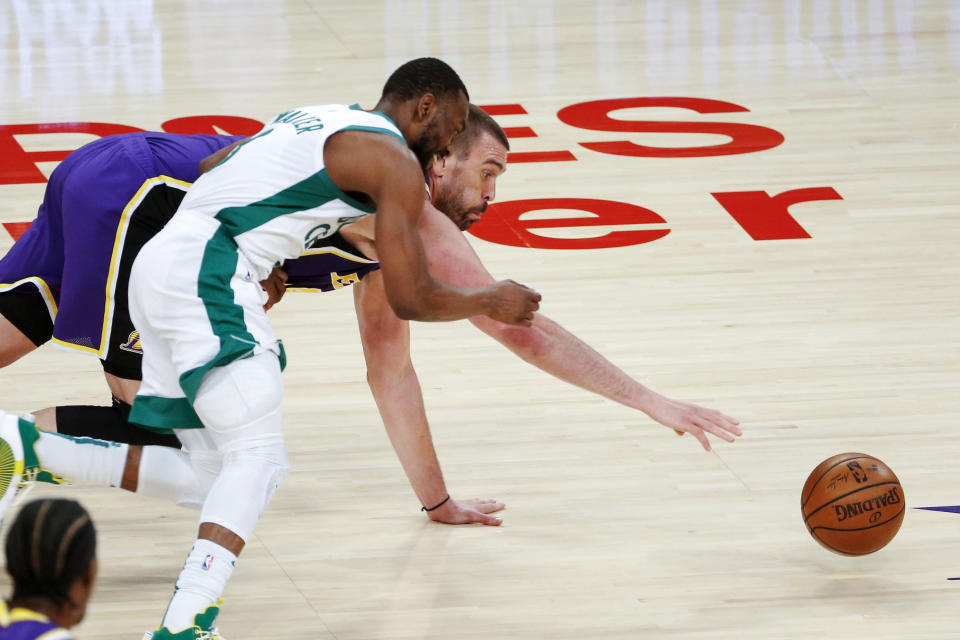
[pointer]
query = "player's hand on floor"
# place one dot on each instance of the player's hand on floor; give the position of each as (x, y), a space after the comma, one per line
(684, 417)
(472, 511)
(275, 285)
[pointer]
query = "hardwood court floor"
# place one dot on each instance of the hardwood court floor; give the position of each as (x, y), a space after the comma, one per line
(846, 340)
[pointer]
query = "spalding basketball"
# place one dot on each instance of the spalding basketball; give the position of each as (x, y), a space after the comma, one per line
(852, 504)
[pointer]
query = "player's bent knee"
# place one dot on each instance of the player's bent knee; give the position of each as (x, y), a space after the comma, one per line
(172, 474)
(246, 484)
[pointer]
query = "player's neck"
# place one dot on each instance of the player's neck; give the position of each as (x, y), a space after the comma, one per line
(400, 112)
(57, 614)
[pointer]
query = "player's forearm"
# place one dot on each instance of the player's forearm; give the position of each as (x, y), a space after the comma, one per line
(437, 301)
(553, 349)
(400, 402)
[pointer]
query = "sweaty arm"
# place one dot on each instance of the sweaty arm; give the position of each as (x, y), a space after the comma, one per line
(393, 380)
(384, 169)
(396, 390)
(550, 347)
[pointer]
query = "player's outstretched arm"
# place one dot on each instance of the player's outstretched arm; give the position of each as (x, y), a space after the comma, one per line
(381, 167)
(555, 350)
(396, 389)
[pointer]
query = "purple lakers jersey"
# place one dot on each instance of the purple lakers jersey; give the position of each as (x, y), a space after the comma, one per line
(24, 624)
(329, 264)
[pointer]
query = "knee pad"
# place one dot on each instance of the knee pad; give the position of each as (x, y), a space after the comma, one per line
(247, 482)
(172, 474)
(240, 403)
(205, 462)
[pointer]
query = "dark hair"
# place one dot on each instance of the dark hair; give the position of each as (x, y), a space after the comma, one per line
(424, 75)
(479, 120)
(51, 544)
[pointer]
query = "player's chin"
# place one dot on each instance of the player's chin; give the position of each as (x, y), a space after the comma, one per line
(467, 221)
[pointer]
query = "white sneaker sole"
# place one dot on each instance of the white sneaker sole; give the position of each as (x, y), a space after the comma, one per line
(11, 461)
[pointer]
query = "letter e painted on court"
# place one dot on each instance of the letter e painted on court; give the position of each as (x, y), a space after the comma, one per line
(18, 166)
(229, 125)
(503, 223)
(595, 115)
(767, 217)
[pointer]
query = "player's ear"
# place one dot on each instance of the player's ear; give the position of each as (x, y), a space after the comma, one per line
(426, 106)
(439, 165)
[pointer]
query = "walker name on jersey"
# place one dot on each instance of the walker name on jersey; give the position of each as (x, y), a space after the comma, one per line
(302, 121)
(594, 223)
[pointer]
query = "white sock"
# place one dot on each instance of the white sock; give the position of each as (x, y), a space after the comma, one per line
(200, 585)
(82, 460)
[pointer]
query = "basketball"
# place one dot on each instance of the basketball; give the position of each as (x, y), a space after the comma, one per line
(852, 504)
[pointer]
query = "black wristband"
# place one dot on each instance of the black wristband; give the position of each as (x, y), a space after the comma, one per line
(436, 506)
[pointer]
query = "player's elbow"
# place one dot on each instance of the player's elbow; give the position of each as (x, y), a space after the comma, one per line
(409, 304)
(406, 311)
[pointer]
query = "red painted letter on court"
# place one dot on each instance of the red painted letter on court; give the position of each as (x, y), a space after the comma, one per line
(503, 223)
(17, 166)
(595, 115)
(766, 217)
(230, 125)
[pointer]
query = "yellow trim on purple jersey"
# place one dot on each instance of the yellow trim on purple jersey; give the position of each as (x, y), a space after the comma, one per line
(112, 273)
(42, 287)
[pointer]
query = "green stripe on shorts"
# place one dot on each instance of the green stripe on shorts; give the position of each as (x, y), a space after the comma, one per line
(226, 317)
(163, 414)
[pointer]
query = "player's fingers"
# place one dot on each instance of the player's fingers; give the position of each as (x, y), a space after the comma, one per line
(679, 432)
(489, 506)
(715, 430)
(482, 518)
(701, 436)
(724, 422)
(480, 503)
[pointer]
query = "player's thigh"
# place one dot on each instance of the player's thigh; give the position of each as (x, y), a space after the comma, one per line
(241, 403)
(24, 325)
(123, 388)
(149, 212)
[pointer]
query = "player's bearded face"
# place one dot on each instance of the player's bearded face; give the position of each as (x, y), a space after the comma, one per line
(453, 200)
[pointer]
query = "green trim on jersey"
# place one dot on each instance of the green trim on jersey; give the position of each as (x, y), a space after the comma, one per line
(226, 317)
(357, 107)
(360, 127)
(164, 414)
(312, 192)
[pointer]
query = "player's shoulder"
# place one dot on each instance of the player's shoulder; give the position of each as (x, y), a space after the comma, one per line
(336, 117)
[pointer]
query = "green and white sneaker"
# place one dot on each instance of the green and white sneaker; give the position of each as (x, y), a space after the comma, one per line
(33, 470)
(11, 460)
(202, 628)
(19, 464)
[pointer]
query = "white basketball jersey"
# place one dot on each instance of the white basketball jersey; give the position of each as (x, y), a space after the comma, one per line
(272, 194)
